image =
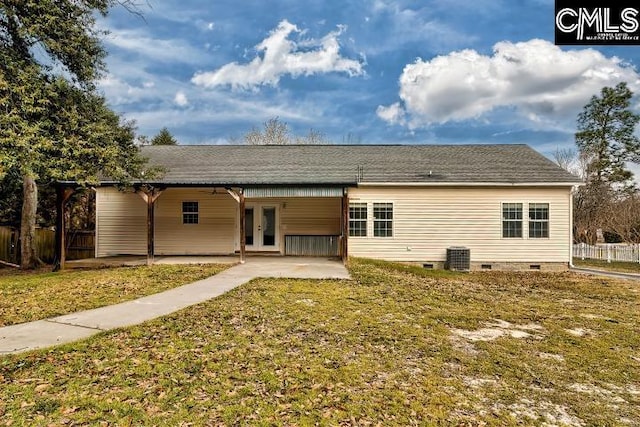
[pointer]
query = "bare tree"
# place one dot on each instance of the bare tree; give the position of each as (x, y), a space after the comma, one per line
(591, 203)
(276, 132)
(572, 161)
(351, 138)
(623, 218)
(566, 158)
(314, 137)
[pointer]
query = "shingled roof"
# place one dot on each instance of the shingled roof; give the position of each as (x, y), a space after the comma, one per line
(242, 165)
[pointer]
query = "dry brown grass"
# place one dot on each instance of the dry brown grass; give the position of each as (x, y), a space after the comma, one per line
(397, 346)
(34, 295)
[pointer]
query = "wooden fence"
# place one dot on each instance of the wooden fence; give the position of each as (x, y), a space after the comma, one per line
(607, 252)
(46, 244)
(9, 245)
(80, 244)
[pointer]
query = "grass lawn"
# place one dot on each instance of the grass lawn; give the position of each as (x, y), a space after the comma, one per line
(32, 296)
(625, 267)
(397, 346)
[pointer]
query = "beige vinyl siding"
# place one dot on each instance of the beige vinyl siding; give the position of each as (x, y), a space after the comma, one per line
(429, 220)
(313, 216)
(425, 222)
(305, 215)
(213, 234)
(121, 223)
(310, 216)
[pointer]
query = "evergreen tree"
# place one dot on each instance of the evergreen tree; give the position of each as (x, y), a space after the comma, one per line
(164, 137)
(606, 137)
(53, 126)
(606, 143)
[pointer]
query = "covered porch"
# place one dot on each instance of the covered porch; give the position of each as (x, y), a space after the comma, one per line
(156, 223)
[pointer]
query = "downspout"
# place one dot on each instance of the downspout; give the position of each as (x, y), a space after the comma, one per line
(571, 193)
(96, 230)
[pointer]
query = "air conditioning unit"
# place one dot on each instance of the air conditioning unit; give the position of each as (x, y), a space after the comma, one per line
(458, 258)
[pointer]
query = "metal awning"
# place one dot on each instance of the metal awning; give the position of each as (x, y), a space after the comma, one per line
(293, 192)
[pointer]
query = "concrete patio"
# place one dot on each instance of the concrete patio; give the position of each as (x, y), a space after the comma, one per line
(133, 260)
(305, 265)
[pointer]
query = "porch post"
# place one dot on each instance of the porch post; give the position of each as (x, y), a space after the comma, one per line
(150, 195)
(62, 197)
(150, 229)
(238, 196)
(345, 226)
(243, 223)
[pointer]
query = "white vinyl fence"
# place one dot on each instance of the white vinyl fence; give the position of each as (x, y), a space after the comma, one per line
(607, 252)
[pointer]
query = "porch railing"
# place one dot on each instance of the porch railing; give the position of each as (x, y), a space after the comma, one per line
(303, 245)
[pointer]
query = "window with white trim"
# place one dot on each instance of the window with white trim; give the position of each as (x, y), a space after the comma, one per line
(538, 220)
(383, 219)
(190, 212)
(512, 220)
(357, 219)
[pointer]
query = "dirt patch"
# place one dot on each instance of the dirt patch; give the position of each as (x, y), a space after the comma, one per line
(631, 389)
(463, 346)
(484, 334)
(551, 356)
(498, 328)
(479, 382)
(580, 332)
(549, 413)
(591, 316)
(604, 393)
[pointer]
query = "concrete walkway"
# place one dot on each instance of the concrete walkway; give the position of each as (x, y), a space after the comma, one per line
(612, 274)
(72, 327)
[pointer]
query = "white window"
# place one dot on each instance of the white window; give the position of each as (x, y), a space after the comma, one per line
(358, 219)
(383, 219)
(512, 220)
(538, 220)
(190, 212)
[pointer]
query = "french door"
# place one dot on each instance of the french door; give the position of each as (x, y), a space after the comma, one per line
(261, 227)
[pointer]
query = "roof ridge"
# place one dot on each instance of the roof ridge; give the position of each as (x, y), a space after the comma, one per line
(480, 144)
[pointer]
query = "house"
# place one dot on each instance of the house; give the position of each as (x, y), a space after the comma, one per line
(507, 204)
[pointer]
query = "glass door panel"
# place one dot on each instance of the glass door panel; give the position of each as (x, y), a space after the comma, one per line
(268, 226)
(248, 227)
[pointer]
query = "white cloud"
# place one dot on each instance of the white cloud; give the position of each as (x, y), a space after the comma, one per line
(393, 114)
(216, 109)
(140, 43)
(181, 99)
(539, 80)
(282, 56)
(121, 92)
(397, 25)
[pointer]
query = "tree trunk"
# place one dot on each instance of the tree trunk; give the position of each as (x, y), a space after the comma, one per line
(29, 257)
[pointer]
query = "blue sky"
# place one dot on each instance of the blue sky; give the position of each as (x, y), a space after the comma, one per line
(367, 71)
